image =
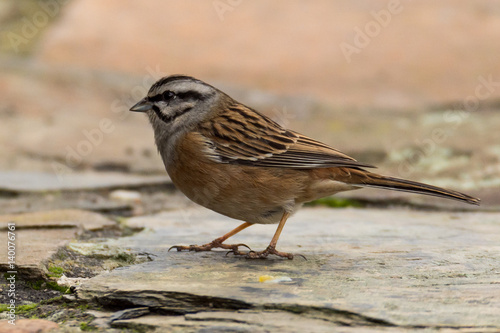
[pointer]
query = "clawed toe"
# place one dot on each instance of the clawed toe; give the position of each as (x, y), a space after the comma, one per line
(233, 247)
(180, 248)
(269, 250)
(237, 252)
(264, 254)
(209, 247)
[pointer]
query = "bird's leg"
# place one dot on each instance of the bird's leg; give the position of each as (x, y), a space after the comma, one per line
(216, 243)
(271, 249)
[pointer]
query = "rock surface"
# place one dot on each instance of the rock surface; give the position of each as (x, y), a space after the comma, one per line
(29, 326)
(39, 235)
(364, 267)
(16, 181)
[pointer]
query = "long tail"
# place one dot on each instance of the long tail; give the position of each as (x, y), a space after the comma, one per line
(368, 179)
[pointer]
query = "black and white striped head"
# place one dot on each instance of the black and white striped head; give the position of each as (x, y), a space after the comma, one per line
(177, 99)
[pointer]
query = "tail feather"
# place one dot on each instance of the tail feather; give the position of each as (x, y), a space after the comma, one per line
(373, 180)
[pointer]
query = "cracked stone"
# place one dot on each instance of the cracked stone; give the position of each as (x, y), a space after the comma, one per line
(130, 313)
(224, 321)
(364, 267)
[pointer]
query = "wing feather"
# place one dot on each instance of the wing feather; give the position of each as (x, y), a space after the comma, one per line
(244, 136)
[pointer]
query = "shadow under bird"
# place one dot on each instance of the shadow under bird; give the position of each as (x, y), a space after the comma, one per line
(233, 160)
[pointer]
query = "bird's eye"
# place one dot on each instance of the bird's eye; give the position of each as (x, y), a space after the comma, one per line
(168, 95)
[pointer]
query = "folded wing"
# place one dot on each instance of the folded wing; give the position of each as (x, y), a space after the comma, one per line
(244, 136)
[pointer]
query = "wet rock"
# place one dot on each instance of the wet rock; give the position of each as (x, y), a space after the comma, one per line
(364, 267)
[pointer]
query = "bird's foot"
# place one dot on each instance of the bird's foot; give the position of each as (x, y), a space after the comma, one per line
(264, 254)
(209, 246)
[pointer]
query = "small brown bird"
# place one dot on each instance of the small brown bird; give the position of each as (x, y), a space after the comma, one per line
(233, 160)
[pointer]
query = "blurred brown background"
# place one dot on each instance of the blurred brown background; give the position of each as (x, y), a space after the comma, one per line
(412, 86)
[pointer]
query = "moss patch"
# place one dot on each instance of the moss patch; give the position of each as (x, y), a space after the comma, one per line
(335, 202)
(41, 284)
(35, 285)
(55, 271)
(54, 286)
(86, 327)
(24, 309)
(59, 310)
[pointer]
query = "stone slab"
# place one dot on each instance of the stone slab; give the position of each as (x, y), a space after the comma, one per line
(236, 321)
(265, 321)
(28, 326)
(384, 268)
(39, 235)
(19, 181)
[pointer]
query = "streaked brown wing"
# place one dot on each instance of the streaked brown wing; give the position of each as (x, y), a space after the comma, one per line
(244, 136)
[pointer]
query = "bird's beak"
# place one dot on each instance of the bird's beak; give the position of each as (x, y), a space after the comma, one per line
(142, 106)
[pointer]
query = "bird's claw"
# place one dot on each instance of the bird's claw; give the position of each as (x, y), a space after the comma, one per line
(209, 246)
(264, 254)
